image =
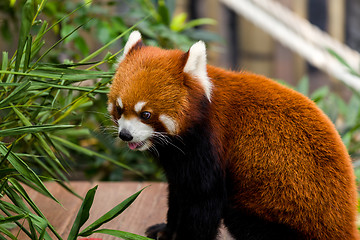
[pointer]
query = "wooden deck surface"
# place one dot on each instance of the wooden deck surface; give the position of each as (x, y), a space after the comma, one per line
(148, 209)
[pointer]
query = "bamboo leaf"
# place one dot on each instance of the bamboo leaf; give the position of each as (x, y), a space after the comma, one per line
(163, 12)
(90, 153)
(199, 22)
(41, 223)
(4, 173)
(178, 22)
(12, 219)
(7, 233)
(57, 43)
(83, 214)
(33, 129)
(97, 52)
(110, 215)
(7, 154)
(5, 61)
(4, 206)
(40, 139)
(27, 53)
(25, 171)
(76, 88)
(28, 13)
(20, 89)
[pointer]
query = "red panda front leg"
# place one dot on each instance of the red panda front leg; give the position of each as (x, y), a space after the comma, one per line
(192, 216)
(199, 218)
(197, 192)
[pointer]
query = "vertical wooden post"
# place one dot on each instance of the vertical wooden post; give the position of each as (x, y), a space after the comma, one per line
(257, 49)
(336, 20)
(213, 10)
(300, 8)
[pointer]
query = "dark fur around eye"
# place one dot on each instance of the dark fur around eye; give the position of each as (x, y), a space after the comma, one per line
(118, 110)
(145, 115)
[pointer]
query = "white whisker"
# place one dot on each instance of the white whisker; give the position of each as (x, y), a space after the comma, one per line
(164, 139)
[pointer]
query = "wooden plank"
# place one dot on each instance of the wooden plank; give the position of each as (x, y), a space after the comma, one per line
(148, 209)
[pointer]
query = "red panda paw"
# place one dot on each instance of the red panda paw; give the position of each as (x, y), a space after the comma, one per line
(158, 232)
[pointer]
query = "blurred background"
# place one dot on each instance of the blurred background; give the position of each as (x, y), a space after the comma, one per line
(237, 39)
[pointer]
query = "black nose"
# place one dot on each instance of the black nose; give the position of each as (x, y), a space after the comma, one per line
(125, 135)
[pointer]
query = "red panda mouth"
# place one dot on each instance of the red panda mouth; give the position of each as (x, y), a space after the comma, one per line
(135, 145)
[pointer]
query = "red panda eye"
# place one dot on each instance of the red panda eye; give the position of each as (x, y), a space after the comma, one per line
(118, 110)
(145, 115)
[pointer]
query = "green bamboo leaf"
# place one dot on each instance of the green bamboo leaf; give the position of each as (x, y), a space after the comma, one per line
(199, 22)
(9, 84)
(27, 53)
(12, 218)
(7, 172)
(121, 234)
(57, 43)
(70, 87)
(36, 223)
(4, 206)
(97, 52)
(25, 171)
(88, 152)
(7, 233)
(5, 61)
(41, 223)
(39, 35)
(42, 142)
(163, 12)
(83, 214)
(178, 22)
(33, 129)
(69, 75)
(7, 154)
(28, 13)
(339, 58)
(15, 93)
(110, 215)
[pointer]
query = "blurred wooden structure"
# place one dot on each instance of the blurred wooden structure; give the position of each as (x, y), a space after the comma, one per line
(256, 50)
(148, 209)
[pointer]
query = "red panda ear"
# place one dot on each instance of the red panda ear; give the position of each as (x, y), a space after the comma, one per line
(196, 66)
(134, 42)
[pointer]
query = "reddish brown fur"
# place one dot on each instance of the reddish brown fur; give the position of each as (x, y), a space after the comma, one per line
(285, 158)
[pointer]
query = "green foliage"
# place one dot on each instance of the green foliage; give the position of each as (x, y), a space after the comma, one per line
(163, 28)
(43, 120)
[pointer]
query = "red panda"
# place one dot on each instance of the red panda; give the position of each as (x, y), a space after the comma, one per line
(234, 146)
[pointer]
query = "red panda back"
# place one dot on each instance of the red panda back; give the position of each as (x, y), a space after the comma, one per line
(284, 156)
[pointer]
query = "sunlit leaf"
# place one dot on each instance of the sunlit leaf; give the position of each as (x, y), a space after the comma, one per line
(83, 214)
(110, 215)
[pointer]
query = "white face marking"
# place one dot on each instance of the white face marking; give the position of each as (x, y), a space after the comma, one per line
(110, 107)
(196, 66)
(120, 103)
(169, 123)
(139, 131)
(139, 106)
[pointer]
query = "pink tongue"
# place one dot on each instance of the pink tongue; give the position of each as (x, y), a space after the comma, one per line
(133, 145)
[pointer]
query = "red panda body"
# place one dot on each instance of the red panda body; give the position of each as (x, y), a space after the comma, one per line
(234, 146)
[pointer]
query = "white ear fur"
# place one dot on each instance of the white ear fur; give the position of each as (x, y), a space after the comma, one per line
(196, 66)
(134, 37)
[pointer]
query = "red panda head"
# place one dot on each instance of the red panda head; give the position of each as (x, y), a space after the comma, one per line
(156, 91)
